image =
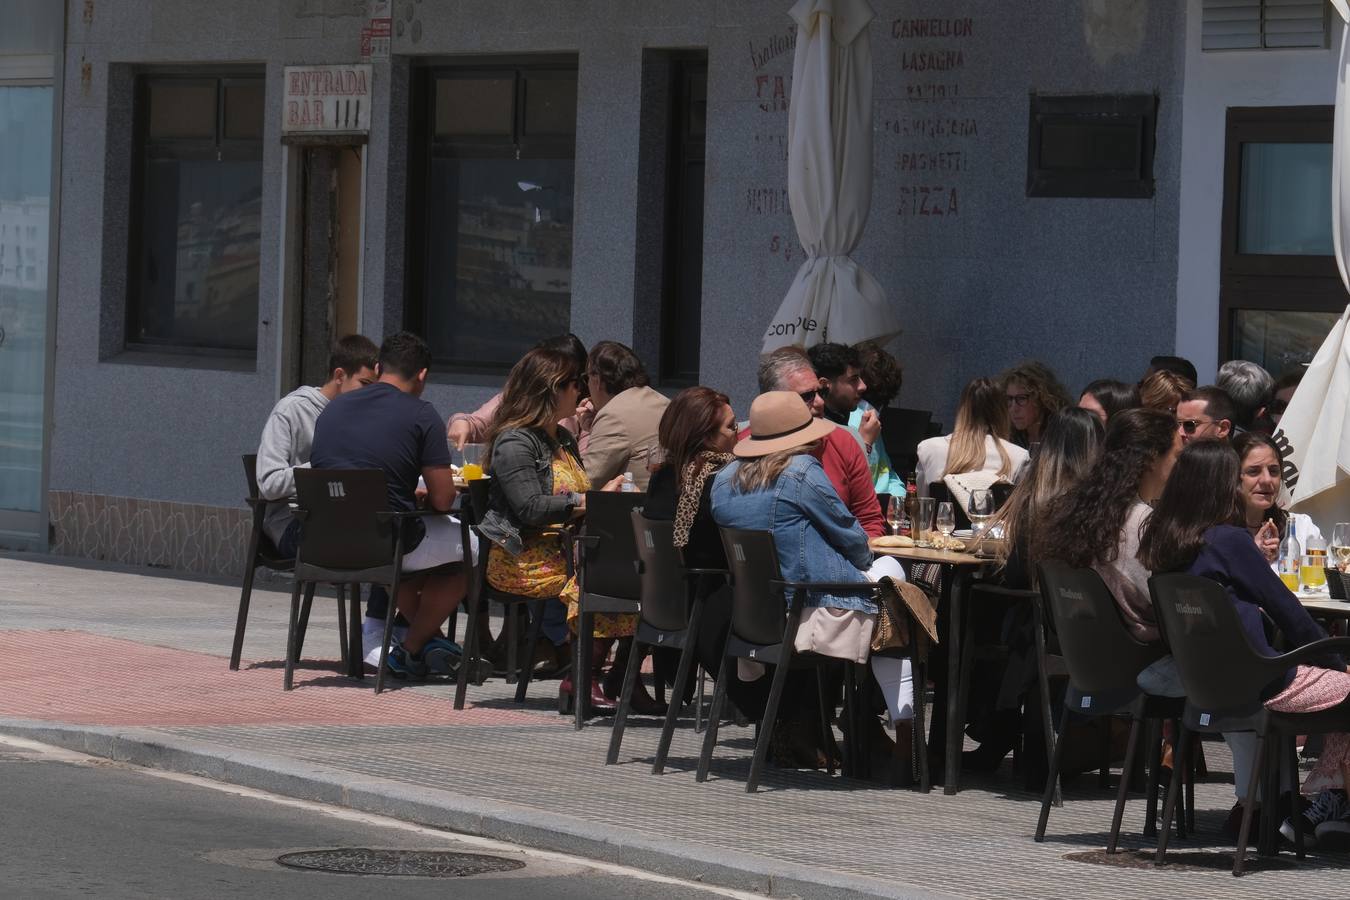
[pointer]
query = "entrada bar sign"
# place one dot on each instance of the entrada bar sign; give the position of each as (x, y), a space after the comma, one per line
(326, 99)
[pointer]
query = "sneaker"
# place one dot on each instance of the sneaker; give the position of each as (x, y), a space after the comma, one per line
(403, 664)
(442, 656)
(371, 632)
(1326, 809)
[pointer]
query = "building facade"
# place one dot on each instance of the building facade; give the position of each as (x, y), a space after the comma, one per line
(230, 184)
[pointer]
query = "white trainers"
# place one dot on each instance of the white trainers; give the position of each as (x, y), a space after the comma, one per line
(371, 632)
(1326, 809)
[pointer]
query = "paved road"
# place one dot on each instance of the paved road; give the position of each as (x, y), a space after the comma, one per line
(78, 827)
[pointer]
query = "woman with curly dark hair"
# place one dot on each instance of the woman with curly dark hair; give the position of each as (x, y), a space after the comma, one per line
(1034, 395)
(1097, 523)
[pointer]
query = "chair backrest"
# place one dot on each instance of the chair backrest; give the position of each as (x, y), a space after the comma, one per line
(757, 611)
(341, 528)
(901, 432)
(608, 560)
(1103, 657)
(665, 593)
(251, 473)
(479, 493)
(1216, 662)
(1002, 490)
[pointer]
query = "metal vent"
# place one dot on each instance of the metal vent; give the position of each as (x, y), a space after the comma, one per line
(1263, 24)
(421, 863)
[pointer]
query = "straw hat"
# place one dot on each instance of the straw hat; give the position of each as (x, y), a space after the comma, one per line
(780, 420)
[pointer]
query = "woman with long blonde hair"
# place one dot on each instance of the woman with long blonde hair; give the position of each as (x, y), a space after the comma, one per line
(978, 442)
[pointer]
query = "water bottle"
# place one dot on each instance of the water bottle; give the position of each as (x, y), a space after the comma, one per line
(1290, 558)
(628, 485)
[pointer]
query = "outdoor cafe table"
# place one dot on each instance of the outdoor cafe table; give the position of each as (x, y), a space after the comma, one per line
(959, 569)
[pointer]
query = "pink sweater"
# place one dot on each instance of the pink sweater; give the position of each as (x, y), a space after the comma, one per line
(481, 418)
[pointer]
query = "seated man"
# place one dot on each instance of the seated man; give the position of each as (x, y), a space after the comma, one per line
(389, 427)
(1205, 413)
(842, 386)
(627, 413)
(790, 369)
(286, 441)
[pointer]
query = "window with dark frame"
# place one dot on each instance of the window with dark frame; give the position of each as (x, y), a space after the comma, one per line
(196, 213)
(682, 288)
(1098, 145)
(1279, 289)
(490, 206)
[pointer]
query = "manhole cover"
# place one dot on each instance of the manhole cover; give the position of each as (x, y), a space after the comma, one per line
(1185, 861)
(424, 863)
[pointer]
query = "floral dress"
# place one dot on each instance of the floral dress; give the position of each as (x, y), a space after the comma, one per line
(540, 570)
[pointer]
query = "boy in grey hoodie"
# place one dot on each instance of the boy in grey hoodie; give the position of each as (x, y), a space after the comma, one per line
(289, 434)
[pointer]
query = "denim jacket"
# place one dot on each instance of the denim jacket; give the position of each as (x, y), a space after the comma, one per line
(521, 496)
(817, 538)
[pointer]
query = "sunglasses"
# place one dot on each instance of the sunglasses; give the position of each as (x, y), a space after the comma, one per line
(809, 397)
(1190, 425)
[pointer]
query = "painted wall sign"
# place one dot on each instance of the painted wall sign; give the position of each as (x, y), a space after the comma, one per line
(326, 99)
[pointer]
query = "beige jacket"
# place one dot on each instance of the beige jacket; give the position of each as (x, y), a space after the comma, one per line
(1128, 579)
(621, 434)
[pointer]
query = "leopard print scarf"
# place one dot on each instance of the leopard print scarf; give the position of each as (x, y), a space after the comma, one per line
(696, 473)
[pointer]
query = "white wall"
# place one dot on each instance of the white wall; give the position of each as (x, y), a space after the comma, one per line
(1214, 82)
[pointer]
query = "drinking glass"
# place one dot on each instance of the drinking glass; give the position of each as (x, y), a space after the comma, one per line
(895, 513)
(473, 462)
(981, 508)
(1340, 545)
(946, 518)
(1313, 572)
(922, 522)
(656, 458)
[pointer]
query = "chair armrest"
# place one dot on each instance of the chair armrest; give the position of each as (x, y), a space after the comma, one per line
(255, 502)
(587, 540)
(833, 587)
(388, 516)
(707, 572)
(1316, 648)
(1010, 593)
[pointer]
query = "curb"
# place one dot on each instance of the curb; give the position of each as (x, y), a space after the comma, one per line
(447, 810)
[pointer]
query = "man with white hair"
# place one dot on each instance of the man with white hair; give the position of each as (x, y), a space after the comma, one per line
(790, 369)
(1252, 390)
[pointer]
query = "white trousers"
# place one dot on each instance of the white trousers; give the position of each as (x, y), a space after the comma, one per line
(443, 544)
(894, 676)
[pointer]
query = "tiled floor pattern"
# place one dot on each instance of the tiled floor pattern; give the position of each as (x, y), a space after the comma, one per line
(976, 844)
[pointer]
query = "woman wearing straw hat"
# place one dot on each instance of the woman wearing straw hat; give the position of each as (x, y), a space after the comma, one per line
(776, 485)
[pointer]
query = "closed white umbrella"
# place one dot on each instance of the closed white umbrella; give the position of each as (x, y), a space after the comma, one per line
(830, 180)
(1314, 433)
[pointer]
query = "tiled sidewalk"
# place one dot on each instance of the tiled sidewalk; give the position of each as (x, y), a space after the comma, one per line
(149, 651)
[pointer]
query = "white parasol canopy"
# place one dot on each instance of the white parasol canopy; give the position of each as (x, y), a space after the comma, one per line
(830, 180)
(1314, 433)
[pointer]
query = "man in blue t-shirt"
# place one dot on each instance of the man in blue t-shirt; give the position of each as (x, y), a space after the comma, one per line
(387, 426)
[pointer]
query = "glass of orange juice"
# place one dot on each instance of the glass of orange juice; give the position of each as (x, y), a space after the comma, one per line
(473, 462)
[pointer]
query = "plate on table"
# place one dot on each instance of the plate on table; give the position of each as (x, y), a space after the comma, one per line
(964, 534)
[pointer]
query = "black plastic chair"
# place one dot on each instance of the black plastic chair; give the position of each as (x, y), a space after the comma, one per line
(348, 535)
(668, 617)
(480, 594)
(263, 554)
(901, 432)
(607, 580)
(765, 614)
(1224, 677)
(1104, 661)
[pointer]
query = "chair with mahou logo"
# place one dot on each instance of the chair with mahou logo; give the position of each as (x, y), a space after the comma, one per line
(263, 554)
(669, 616)
(765, 614)
(348, 536)
(1224, 677)
(1104, 661)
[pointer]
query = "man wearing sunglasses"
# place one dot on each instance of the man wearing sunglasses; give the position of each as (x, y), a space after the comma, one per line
(1205, 413)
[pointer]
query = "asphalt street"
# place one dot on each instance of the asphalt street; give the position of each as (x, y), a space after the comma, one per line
(74, 826)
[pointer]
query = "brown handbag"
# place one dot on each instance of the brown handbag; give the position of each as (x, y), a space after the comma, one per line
(900, 607)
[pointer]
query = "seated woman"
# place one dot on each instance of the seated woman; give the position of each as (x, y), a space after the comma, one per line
(1033, 394)
(776, 485)
(978, 442)
(1191, 531)
(1096, 523)
(696, 434)
(537, 485)
(1069, 447)
(1259, 482)
(1105, 397)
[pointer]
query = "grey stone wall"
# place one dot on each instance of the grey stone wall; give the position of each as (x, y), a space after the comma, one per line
(1086, 285)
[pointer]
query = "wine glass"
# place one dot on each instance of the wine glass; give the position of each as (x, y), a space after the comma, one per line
(1313, 572)
(981, 507)
(946, 518)
(895, 513)
(1340, 545)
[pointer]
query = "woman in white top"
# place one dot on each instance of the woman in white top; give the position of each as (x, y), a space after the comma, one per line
(1259, 486)
(978, 442)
